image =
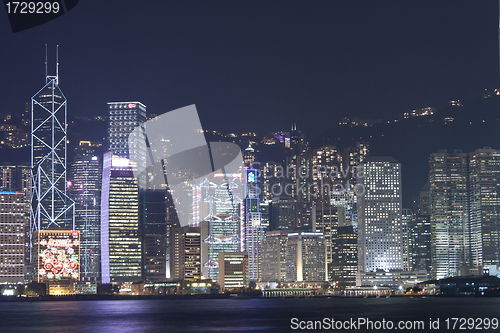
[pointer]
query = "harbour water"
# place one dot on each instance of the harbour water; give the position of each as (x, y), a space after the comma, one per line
(248, 315)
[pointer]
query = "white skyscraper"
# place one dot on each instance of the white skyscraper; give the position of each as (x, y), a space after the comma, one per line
(379, 215)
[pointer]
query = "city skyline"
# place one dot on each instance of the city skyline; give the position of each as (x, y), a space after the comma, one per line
(332, 180)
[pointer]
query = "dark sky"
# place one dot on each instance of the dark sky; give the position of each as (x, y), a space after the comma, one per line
(259, 65)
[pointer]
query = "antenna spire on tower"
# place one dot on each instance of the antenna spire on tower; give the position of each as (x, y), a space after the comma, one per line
(46, 62)
(57, 64)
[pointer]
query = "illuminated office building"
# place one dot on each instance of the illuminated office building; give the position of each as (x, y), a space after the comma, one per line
(219, 207)
(124, 117)
(253, 231)
(120, 239)
(13, 221)
(450, 236)
(185, 247)
(325, 220)
(484, 171)
(50, 205)
(270, 180)
(420, 243)
(299, 165)
(85, 174)
(233, 270)
(273, 256)
(155, 230)
(379, 215)
(325, 163)
(344, 264)
(15, 177)
(305, 257)
(406, 221)
(282, 213)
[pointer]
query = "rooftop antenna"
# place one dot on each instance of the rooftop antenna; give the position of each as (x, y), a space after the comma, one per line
(57, 65)
(46, 62)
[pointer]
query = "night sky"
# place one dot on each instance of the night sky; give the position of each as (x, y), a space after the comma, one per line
(259, 65)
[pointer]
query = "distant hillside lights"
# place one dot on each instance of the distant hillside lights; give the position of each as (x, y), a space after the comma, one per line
(428, 111)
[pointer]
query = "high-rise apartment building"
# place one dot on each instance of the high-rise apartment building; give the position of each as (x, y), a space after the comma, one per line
(450, 229)
(379, 215)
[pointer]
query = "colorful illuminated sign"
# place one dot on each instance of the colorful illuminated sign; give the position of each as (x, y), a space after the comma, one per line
(59, 255)
(251, 176)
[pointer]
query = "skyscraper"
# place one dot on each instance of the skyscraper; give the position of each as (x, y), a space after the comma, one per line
(253, 231)
(420, 244)
(13, 220)
(379, 215)
(85, 174)
(273, 256)
(305, 257)
(325, 220)
(450, 236)
(124, 117)
(344, 265)
(406, 222)
(484, 174)
(185, 247)
(154, 235)
(121, 255)
(282, 213)
(50, 205)
(219, 206)
(123, 199)
(233, 268)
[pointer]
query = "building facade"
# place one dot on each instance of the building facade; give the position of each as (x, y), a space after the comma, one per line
(273, 254)
(450, 226)
(379, 215)
(85, 174)
(121, 252)
(13, 221)
(484, 171)
(185, 253)
(305, 257)
(233, 270)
